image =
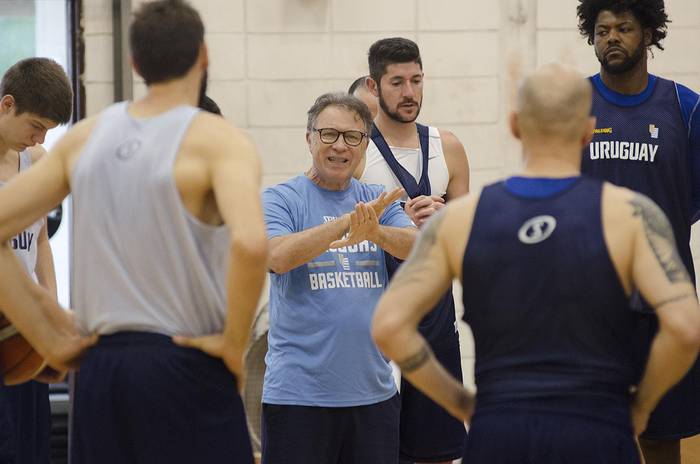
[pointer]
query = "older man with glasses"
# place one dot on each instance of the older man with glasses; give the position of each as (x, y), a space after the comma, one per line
(329, 395)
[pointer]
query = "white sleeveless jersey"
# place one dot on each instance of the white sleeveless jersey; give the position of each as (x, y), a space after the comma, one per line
(377, 171)
(25, 243)
(141, 261)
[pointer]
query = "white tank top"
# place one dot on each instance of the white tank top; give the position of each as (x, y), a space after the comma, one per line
(141, 261)
(24, 244)
(377, 171)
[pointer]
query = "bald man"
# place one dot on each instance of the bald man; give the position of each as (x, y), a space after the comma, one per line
(546, 283)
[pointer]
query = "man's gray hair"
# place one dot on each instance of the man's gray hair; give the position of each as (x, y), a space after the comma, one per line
(343, 100)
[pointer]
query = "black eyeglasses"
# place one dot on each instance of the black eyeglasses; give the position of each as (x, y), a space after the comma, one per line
(352, 137)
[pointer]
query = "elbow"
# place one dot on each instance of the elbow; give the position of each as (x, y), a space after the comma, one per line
(277, 266)
(384, 328)
(686, 330)
(277, 262)
(380, 334)
(690, 338)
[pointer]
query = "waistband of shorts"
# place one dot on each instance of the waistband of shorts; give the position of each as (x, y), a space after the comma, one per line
(140, 343)
(135, 338)
(602, 409)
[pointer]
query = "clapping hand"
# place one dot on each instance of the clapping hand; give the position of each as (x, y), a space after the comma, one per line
(421, 208)
(364, 219)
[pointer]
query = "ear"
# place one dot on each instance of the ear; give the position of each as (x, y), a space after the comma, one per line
(364, 144)
(133, 65)
(204, 55)
(373, 86)
(7, 103)
(513, 123)
(590, 127)
(647, 37)
(308, 138)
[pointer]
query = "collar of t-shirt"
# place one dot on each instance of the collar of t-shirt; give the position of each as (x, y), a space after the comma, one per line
(538, 187)
(622, 99)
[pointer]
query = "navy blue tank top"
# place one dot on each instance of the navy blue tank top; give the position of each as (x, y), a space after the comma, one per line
(641, 142)
(549, 315)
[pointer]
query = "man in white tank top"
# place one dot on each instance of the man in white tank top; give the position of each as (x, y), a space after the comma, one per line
(396, 156)
(400, 95)
(169, 245)
(25, 117)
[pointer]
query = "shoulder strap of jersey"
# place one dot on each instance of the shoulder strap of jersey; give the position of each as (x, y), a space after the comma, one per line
(408, 182)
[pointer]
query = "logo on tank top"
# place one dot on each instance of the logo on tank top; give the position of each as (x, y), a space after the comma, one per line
(537, 229)
(653, 131)
(23, 241)
(128, 149)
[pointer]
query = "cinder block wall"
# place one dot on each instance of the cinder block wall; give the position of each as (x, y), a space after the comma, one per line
(271, 58)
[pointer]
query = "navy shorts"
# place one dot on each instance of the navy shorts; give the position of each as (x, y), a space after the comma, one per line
(348, 435)
(518, 437)
(140, 399)
(427, 432)
(678, 413)
(25, 423)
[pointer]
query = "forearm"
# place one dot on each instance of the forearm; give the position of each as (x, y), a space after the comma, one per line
(293, 250)
(397, 241)
(438, 384)
(411, 352)
(668, 362)
(30, 308)
(395, 331)
(246, 277)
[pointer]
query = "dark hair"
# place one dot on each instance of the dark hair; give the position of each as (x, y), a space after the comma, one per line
(650, 14)
(39, 86)
(164, 39)
(343, 100)
(389, 51)
(207, 104)
(356, 84)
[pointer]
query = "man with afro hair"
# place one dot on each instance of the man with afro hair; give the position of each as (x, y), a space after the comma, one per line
(647, 138)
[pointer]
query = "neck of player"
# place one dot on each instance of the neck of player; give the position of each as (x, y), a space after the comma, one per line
(9, 164)
(397, 134)
(5, 149)
(164, 96)
(541, 159)
(631, 82)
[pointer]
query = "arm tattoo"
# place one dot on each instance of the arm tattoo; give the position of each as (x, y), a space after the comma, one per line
(660, 238)
(412, 271)
(417, 360)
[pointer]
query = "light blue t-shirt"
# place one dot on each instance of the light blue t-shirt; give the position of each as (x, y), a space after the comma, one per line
(320, 351)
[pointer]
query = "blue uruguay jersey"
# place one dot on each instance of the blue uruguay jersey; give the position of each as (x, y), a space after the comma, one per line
(540, 333)
(649, 143)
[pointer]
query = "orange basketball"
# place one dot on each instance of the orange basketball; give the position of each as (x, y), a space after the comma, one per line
(18, 360)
